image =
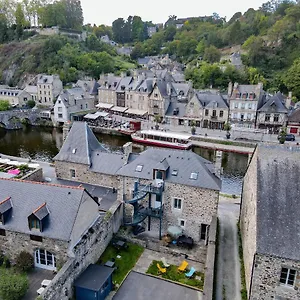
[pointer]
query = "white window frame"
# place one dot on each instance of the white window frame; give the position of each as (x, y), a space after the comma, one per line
(175, 199)
(287, 277)
(49, 259)
(71, 173)
(179, 223)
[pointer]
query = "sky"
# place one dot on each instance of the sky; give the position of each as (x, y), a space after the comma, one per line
(102, 12)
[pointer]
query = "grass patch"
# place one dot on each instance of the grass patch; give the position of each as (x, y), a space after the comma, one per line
(243, 279)
(229, 196)
(174, 275)
(231, 143)
(128, 259)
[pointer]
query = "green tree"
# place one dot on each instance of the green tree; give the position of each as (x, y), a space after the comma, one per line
(292, 78)
(118, 30)
(138, 29)
(4, 105)
(31, 103)
(212, 54)
(13, 286)
(20, 20)
(169, 33)
(73, 14)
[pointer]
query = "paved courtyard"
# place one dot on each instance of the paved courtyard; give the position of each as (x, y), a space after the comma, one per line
(139, 286)
(149, 255)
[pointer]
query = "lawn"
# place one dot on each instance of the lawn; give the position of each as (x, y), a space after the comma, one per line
(125, 263)
(174, 275)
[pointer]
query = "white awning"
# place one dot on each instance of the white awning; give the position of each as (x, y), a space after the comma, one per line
(104, 105)
(137, 112)
(119, 109)
(96, 115)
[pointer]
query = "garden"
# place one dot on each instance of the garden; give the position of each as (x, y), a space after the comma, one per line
(15, 170)
(13, 279)
(173, 274)
(124, 259)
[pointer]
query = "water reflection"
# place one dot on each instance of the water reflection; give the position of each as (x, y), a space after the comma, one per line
(44, 143)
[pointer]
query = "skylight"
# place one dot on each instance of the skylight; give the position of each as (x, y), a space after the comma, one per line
(174, 172)
(194, 175)
(74, 150)
(139, 168)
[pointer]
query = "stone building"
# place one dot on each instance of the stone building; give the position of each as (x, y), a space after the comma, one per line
(44, 220)
(293, 126)
(191, 186)
(107, 90)
(273, 114)
(48, 89)
(244, 100)
(14, 96)
(270, 223)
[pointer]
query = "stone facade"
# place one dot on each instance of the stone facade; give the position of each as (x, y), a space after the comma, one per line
(266, 276)
(271, 120)
(84, 174)
(248, 219)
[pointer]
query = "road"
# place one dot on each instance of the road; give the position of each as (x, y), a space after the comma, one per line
(228, 280)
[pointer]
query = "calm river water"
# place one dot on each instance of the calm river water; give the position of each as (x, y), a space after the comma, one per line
(44, 143)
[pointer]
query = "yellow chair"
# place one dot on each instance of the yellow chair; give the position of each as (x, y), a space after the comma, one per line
(161, 270)
(183, 266)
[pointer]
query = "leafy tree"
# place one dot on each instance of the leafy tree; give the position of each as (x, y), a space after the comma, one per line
(24, 261)
(292, 78)
(20, 20)
(118, 30)
(170, 33)
(13, 286)
(73, 13)
(212, 54)
(138, 33)
(31, 103)
(4, 105)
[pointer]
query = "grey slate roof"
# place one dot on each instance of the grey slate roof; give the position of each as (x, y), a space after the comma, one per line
(106, 163)
(124, 84)
(278, 201)
(174, 105)
(294, 117)
(42, 78)
(93, 277)
(41, 212)
(274, 105)
(26, 196)
(162, 86)
(211, 100)
(5, 205)
(94, 90)
(143, 60)
(185, 162)
(181, 89)
(79, 145)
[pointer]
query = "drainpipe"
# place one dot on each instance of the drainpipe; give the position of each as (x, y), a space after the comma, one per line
(252, 271)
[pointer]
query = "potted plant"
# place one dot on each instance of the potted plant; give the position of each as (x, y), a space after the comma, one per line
(157, 120)
(282, 135)
(227, 127)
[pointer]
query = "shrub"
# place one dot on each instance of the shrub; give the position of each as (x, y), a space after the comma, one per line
(13, 286)
(24, 261)
(6, 263)
(31, 103)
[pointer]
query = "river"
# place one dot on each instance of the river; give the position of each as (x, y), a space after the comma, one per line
(44, 143)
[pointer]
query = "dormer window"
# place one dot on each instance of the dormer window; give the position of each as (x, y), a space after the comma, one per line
(194, 176)
(245, 95)
(139, 168)
(37, 220)
(175, 172)
(5, 210)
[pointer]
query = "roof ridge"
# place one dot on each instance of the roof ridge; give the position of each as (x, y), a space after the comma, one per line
(43, 183)
(8, 198)
(41, 206)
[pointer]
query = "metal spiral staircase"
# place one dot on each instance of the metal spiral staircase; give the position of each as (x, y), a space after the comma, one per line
(142, 211)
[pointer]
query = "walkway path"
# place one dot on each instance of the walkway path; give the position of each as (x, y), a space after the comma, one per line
(228, 281)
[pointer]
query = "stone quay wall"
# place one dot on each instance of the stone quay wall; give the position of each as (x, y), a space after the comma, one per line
(87, 251)
(35, 175)
(266, 276)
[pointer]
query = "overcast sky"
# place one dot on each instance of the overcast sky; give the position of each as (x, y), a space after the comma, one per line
(105, 12)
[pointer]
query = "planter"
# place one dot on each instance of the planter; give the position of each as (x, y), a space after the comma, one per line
(156, 126)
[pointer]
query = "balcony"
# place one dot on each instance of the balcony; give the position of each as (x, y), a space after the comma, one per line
(214, 118)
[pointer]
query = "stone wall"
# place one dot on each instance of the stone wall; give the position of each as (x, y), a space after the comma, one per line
(83, 174)
(35, 175)
(210, 261)
(15, 242)
(266, 275)
(87, 251)
(248, 217)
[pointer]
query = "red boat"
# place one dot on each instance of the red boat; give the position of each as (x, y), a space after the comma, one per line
(162, 139)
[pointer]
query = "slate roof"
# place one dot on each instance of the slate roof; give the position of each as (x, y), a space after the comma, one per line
(124, 83)
(278, 200)
(145, 86)
(42, 78)
(143, 60)
(275, 105)
(294, 117)
(181, 88)
(26, 196)
(174, 105)
(79, 145)
(185, 162)
(211, 100)
(93, 277)
(106, 163)
(5, 205)
(41, 212)
(162, 86)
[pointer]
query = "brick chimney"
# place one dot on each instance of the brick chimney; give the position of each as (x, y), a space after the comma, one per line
(127, 149)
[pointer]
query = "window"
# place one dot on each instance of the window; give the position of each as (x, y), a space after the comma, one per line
(194, 175)
(267, 118)
(155, 95)
(243, 106)
(221, 113)
(177, 203)
(192, 104)
(60, 102)
(81, 106)
(2, 232)
(249, 105)
(174, 172)
(214, 113)
(236, 105)
(139, 168)
(288, 276)
(73, 173)
(203, 231)
(60, 116)
(181, 223)
(59, 109)
(276, 118)
(36, 238)
(86, 105)
(158, 174)
(206, 112)
(35, 224)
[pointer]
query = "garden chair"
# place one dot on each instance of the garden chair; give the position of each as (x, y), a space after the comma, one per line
(183, 266)
(190, 273)
(161, 270)
(166, 265)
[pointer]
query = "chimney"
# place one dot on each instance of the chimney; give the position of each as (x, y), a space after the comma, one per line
(288, 100)
(229, 89)
(218, 163)
(127, 149)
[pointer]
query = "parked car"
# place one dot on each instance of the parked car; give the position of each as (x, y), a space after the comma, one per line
(289, 137)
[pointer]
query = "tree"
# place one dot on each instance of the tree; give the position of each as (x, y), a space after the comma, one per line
(73, 13)
(24, 261)
(212, 54)
(170, 33)
(13, 286)
(292, 78)
(4, 105)
(118, 30)
(138, 29)
(20, 20)
(31, 103)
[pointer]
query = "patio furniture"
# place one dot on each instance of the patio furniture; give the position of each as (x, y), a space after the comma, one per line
(120, 245)
(183, 266)
(190, 273)
(40, 290)
(185, 241)
(160, 269)
(166, 265)
(45, 283)
(110, 264)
